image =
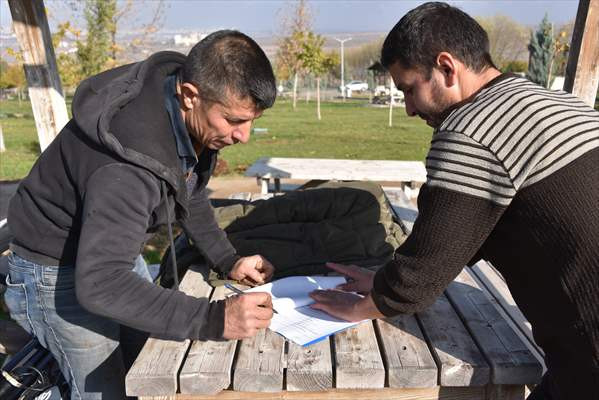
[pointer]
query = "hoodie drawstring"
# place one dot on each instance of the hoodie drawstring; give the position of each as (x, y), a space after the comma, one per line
(169, 222)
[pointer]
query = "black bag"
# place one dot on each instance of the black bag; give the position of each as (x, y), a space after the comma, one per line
(32, 373)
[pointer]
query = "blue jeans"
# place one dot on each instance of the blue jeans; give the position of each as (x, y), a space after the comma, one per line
(41, 298)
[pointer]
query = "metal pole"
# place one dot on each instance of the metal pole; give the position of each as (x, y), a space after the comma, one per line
(341, 41)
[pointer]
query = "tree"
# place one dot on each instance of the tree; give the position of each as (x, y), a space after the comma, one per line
(561, 49)
(507, 39)
(541, 52)
(128, 12)
(94, 53)
(295, 25)
(11, 75)
(357, 60)
(316, 62)
(68, 64)
(103, 19)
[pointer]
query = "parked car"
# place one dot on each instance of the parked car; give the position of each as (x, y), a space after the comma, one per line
(355, 86)
(384, 91)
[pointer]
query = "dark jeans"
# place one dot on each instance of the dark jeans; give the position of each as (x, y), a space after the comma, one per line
(87, 347)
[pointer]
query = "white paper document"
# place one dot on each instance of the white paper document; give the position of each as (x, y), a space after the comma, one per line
(295, 319)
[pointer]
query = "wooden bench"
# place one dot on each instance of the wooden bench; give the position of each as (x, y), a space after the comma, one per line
(411, 173)
(459, 348)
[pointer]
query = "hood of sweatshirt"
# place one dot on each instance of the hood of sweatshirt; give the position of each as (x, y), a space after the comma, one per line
(123, 111)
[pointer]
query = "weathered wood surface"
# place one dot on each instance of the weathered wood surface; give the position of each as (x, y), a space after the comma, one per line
(369, 357)
(437, 393)
(358, 362)
(505, 392)
(155, 370)
(310, 368)
(343, 170)
(207, 368)
(582, 70)
(459, 360)
(407, 358)
(260, 363)
(511, 361)
(497, 287)
(267, 168)
(45, 91)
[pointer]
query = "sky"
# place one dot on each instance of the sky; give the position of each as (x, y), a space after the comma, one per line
(330, 16)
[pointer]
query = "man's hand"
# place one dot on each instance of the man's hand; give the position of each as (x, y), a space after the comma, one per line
(245, 315)
(343, 305)
(360, 279)
(252, 270)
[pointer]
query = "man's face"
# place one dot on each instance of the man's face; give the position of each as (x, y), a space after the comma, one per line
(215, 125)
(426, 98)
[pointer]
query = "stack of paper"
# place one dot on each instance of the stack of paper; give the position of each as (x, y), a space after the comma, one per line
(296, 320)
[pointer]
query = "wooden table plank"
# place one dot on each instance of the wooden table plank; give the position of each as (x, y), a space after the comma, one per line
(260, 363)
(358, 362)
(309, 368)
(344, 170)
(436, 393)
(154, 372)
(207, 368)
(458, 357)
(407, 357)
(497, 287)
(511, 361)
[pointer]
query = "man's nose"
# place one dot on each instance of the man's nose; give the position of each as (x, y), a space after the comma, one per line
(410, 109)
(241, 134)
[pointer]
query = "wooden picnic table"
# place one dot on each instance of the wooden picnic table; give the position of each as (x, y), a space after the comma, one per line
(461, 347)
(412, 173)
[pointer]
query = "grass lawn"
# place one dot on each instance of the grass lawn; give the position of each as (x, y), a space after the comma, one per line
(20, 139)
(350, 130)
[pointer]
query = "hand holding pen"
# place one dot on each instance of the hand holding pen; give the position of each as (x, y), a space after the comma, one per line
(240, 292)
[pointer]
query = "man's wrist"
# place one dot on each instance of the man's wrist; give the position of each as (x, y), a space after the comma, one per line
(226, 266)
(368, 308)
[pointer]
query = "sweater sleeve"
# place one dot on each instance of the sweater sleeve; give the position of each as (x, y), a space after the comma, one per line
(207, 236)
(449, 230)
(117, 207)
(468, 188)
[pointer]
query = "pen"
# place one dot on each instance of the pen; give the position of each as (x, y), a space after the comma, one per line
(239, 292)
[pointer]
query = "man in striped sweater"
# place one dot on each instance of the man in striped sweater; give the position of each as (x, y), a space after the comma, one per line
(513, 177)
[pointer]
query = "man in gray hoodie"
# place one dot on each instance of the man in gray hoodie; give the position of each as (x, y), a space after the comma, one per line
(136, 155)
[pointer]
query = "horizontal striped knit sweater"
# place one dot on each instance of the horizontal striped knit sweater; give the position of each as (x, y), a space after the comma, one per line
(513, 178)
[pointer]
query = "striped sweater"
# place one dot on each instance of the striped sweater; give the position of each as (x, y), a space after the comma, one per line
(513, 178)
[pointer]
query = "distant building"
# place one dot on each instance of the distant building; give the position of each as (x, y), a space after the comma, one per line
(189, 39)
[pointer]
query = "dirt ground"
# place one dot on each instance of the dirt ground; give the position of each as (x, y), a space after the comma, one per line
(221, 187)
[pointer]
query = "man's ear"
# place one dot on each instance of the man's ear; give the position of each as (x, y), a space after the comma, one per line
(448, 66)
(188, 95)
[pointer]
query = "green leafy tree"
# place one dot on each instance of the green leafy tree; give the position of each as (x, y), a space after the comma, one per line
(11, 75)
(296, 23)
(358, 59)
(94, 54)
(316, 62)
(68, 64)
(541, 49)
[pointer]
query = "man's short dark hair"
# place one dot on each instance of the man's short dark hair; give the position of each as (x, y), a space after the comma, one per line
(228, 63)
(431, 28)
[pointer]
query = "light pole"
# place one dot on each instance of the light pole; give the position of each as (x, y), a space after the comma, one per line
(341, 41)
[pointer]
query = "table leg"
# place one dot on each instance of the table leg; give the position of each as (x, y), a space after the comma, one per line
(264, 185)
